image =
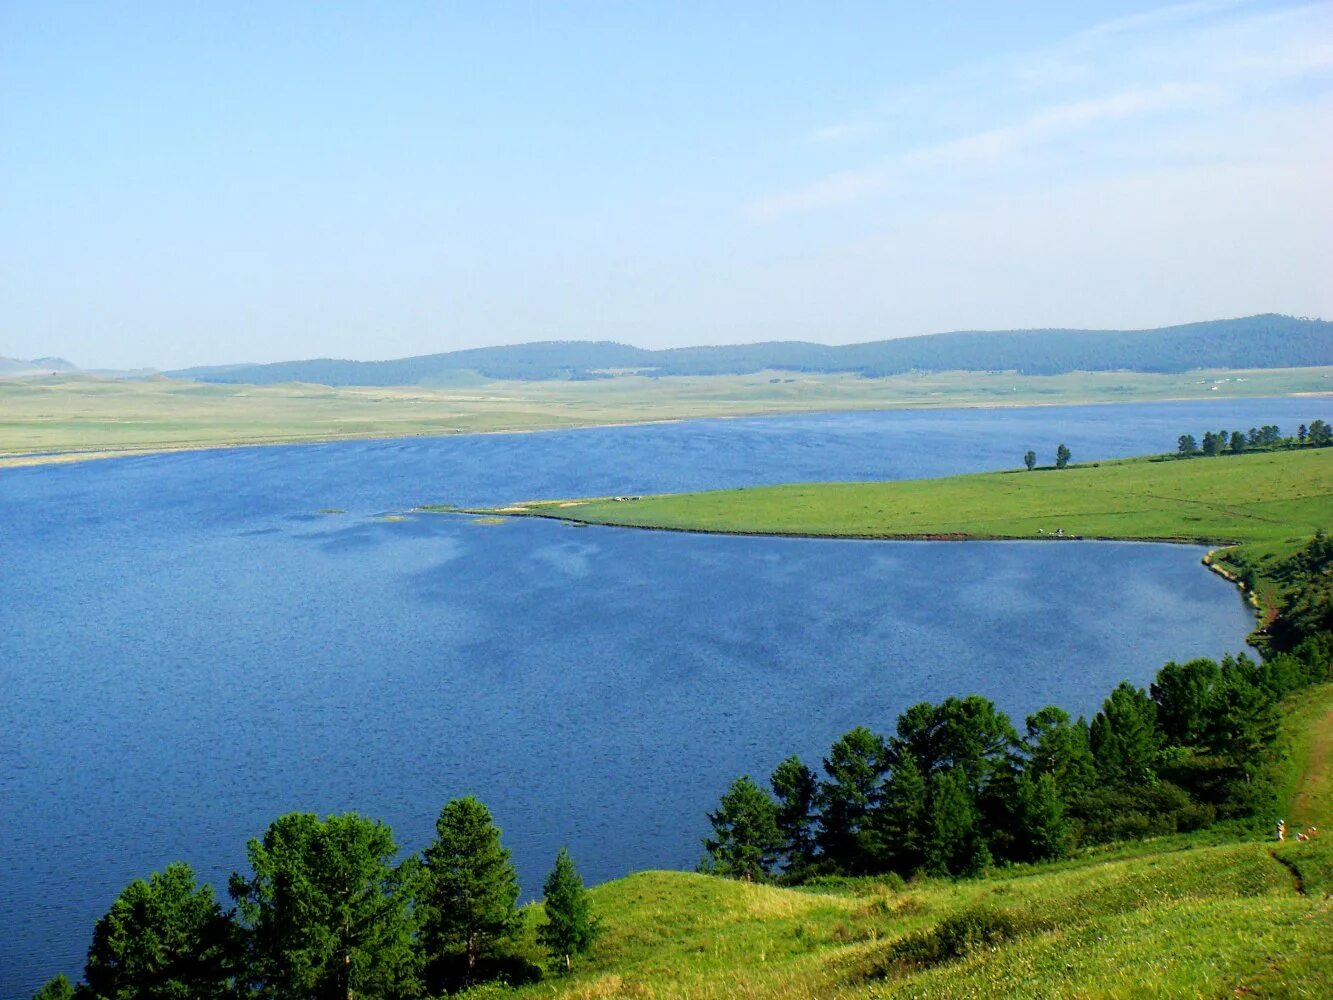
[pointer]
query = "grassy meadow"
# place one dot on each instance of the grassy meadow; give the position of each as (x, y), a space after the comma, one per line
(1271, 501)
(1181, 916)
(81, 417)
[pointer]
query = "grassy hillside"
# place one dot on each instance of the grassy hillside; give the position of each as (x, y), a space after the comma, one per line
(1174, 917)
(1213, 921)
(1267, 341)
(97, 416)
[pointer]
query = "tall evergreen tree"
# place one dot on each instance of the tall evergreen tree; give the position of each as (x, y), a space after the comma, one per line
(1124, 737)
(327, 910)
(1043, 832)
(1030, 460)
(1060, 748)
(796, 787)
(969, 734)
(1182, 693)
(163, 939)
(569, 928)
(468, 888)
(746, 841)
(856, 765)
(898, 826)
(1242, 719)
(955, 842)
(1062, 457)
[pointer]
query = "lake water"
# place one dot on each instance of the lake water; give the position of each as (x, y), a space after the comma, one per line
(188, 649)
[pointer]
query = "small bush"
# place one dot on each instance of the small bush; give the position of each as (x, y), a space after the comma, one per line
(975, 929)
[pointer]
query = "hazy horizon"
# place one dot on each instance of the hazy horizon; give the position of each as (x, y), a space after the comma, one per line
(190, 186)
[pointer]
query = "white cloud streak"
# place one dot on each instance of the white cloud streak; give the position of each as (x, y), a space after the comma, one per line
(1189, 63)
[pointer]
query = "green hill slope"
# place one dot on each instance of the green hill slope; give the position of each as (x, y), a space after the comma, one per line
(1201, 921)
(1175, 917)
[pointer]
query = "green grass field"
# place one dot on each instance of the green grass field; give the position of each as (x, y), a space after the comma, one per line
(1268, 499)
(96, 417)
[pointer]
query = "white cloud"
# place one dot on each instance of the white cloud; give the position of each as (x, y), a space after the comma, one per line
(1122, 82)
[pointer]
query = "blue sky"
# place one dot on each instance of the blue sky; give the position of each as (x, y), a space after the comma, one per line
(187, 183)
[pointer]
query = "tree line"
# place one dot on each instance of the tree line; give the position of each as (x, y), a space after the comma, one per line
(1266, 438)
(328, 913)
(956, 787)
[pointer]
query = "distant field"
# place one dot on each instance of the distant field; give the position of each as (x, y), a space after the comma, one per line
(82, 414)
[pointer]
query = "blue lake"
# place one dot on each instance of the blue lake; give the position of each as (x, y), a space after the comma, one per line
(188, 649)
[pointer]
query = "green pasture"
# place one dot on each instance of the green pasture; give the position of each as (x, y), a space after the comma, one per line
(1268, 498)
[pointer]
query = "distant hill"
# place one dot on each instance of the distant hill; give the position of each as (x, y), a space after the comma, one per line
(54, 365)
(15, 368)
(1267, 341)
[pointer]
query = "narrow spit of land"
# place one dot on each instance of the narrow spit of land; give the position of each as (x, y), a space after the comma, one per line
(76, 418)
(1265, 498)
(1268, 502)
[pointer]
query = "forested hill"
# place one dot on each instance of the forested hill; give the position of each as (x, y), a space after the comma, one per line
(1268, 341)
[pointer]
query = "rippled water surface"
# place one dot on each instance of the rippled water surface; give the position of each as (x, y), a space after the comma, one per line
(188, 648)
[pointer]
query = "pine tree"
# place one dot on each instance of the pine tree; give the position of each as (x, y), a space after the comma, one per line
(746, 839)
(795, 786)
(1044, 832)
(468, 886)
(1242, 720)
(163, 937)
(1182, 692)
(1060, 748)
(326, 910)
(1124, 737)
(898, 824)
(955, 844)
(569, 929)
(856, 765)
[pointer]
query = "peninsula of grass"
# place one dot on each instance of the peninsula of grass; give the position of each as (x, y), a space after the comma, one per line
(1270, 501)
